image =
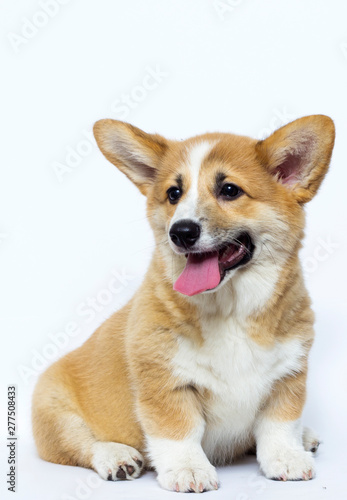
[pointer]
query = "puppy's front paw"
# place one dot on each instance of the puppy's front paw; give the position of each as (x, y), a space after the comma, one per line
(189, 479)
(290, 464)
(115, 461)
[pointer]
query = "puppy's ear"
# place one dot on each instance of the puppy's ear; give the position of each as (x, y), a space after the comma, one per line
(298, 154)
(134, 152)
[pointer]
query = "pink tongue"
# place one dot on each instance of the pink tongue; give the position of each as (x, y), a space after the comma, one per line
(200, 274)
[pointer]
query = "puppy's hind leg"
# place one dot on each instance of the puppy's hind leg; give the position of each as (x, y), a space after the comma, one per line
(62, 436)
(310, 440)
(71, 442)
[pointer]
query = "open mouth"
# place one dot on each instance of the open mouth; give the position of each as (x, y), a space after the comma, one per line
(204, 271)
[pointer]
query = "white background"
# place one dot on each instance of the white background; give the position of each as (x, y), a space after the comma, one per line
(247, 70)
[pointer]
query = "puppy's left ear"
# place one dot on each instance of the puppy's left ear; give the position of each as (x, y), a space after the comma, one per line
(298, 154)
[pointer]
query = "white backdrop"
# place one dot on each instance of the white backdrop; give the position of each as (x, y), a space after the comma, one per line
(70, 222)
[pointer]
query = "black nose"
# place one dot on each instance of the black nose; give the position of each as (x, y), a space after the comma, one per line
(185, 233)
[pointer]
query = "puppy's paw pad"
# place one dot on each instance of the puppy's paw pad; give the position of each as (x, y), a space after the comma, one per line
(115, 462)
(292, 465)
(194, 480)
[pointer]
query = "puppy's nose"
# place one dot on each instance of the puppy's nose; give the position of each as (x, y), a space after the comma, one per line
(185, 233)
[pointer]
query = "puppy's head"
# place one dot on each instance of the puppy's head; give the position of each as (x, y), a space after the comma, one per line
(220, 204)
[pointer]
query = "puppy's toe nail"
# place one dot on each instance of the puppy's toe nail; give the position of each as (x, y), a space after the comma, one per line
(139, 462)
(177, 488)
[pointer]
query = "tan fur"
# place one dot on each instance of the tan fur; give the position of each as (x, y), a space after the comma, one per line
(119, 384)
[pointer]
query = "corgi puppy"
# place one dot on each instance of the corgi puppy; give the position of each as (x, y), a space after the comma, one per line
(208, 360)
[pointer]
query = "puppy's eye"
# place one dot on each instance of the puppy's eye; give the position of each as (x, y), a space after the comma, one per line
(174, 194)
(230, 191)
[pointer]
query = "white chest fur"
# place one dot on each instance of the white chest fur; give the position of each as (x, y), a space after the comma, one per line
(238, 373)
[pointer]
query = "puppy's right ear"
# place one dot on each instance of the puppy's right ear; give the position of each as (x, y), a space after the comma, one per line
(134, 152)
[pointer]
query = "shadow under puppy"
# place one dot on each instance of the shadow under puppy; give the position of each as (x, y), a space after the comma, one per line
(209, 358)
